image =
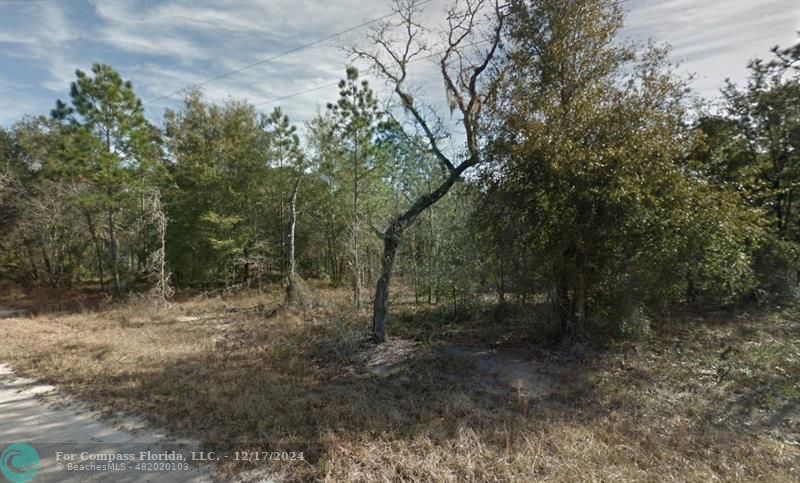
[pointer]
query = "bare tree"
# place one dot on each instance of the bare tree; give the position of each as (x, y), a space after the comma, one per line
(469, 43)
(296, 293)
(48, 227)
(162, 290)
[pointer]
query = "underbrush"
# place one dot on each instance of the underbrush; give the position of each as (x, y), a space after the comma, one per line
(699, 399)
(495, 325)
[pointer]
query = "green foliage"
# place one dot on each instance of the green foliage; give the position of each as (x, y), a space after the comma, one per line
(356, 174)
(605, 199)
(763, 163)
(219, 198)
(591, 148)
(109, 145)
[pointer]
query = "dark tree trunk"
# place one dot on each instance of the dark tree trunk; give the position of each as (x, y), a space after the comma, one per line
(98, 249)
(391, 238)
(381, 303)
(357, 282)
(431, 255)
(501, 284)
(691, 292)
(562, 306)
(50, 269)
(112, 241)
(464, 93)
(31, 260)
(578, 323)
(415, 270)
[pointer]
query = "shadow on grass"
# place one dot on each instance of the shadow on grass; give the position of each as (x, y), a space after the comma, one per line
(507, 325)
(45, 300)
(293, 383)
(304, 392)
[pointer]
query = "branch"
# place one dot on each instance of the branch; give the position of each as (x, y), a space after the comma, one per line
(391, 57)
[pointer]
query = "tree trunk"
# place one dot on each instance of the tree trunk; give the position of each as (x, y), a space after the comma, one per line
(331, 257)
(50, 269)
(391, 238)
(292, 293)
(31, 260)
(501, 284)
(284, 255)
(98, 249)
(415, 270)
(356, 260)
(578, 325)
(112, 240)
(381, 304)
(162, 288)
(141, 256)
(691, 293)
(431, 255)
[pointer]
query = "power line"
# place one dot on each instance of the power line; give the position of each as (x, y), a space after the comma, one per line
(274, 57)
(300, 93)
(331, 84)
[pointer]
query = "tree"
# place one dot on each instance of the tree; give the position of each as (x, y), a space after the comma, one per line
(766, 114)
(356, 121)
(329, 212)
(220, 203)
(113, 146)
(462, 64)
(49, 230)
(295, 290)
(752, 147)
(288, 162)
(45, 238)
(284, 156)
(591, 143)
(13, 174)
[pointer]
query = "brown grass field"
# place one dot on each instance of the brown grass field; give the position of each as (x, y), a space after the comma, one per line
(714, 398)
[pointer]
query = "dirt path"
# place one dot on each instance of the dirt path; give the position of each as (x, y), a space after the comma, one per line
(491, 371)
(35, 414)
(500, 373)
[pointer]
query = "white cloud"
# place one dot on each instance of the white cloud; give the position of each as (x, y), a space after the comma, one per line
(164, 46)
(715, 39)
(9, 38)
(152, 44)
(43, 35)
(12, 107)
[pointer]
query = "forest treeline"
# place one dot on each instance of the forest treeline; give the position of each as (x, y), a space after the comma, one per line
(591, 183)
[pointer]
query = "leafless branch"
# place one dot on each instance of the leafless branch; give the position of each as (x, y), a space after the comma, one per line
(399, 43)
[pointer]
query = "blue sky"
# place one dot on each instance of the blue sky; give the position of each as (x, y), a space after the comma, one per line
(163, 46)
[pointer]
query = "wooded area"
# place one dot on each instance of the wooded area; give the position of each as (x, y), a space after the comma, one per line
(590, 186)
(569, 267)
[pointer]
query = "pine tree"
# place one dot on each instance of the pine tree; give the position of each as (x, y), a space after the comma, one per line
(113, 146)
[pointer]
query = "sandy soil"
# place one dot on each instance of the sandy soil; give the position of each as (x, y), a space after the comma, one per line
(38, 415)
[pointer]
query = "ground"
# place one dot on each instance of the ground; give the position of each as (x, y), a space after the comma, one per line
(39, 415)
(450, 397)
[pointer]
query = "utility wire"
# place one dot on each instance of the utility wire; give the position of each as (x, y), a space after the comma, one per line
(275, 57)
(331, 84)
(300, 93)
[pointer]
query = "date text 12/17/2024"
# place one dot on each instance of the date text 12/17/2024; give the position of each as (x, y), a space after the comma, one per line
(249, 456)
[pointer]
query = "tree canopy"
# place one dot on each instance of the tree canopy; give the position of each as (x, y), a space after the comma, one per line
(584, 183)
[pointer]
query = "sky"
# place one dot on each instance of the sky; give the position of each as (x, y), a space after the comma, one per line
(163, 46)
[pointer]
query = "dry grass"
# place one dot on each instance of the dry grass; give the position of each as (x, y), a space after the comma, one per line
(238, 374)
